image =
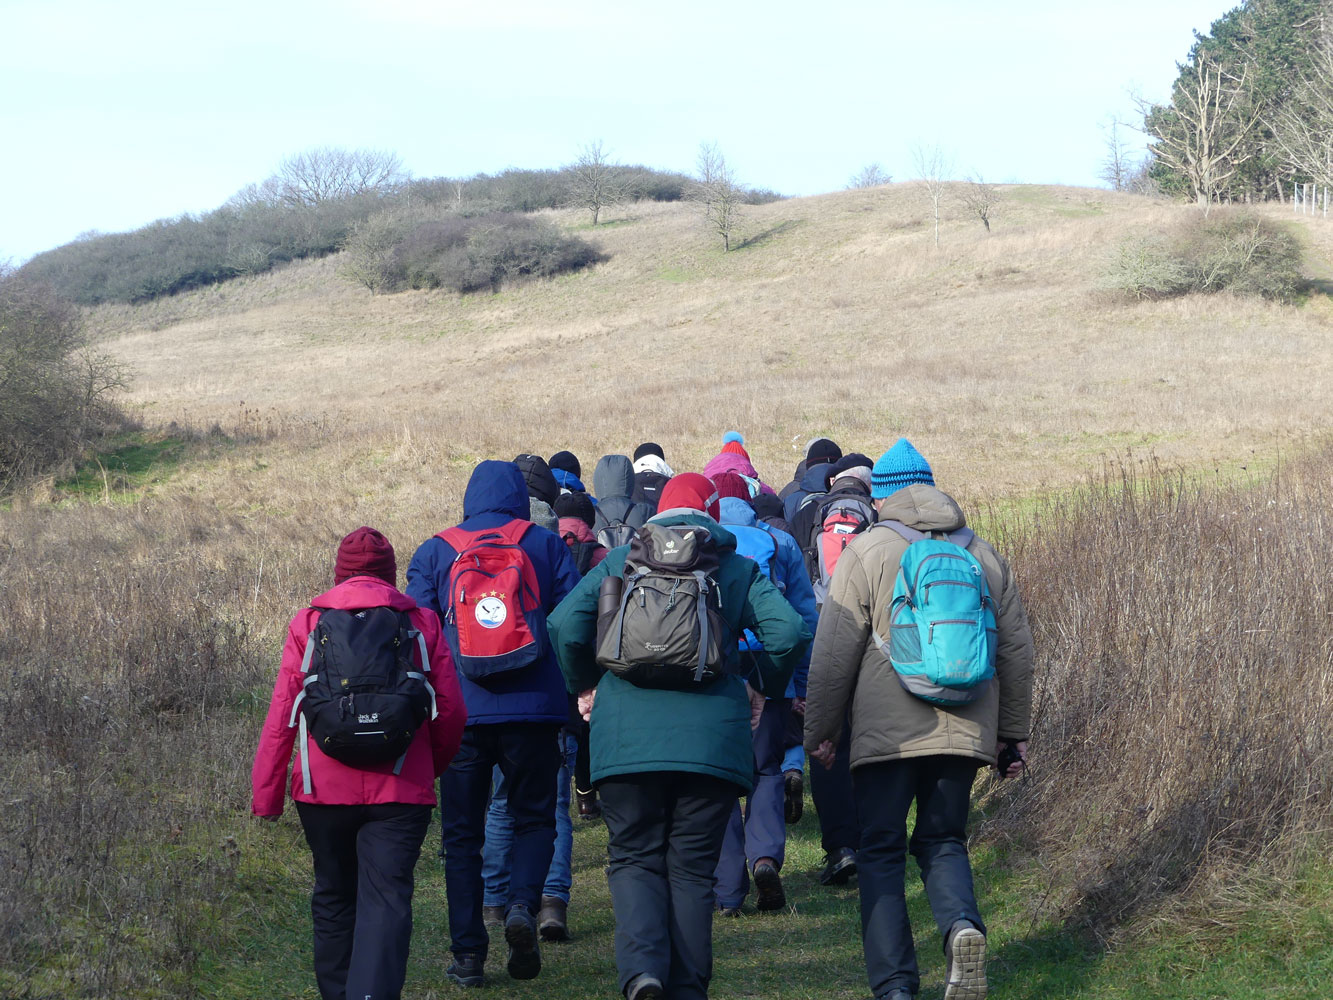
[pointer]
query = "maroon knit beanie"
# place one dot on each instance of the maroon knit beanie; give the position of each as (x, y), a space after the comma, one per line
(365, 552)
(729, 484)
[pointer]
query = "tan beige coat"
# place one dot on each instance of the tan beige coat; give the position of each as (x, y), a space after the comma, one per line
(847, 668)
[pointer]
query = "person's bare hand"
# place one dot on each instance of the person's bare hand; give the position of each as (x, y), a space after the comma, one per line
(825, 753)
(268, 819)
(586, 698)
(798, 706)
(1016, 768)
(756, 706)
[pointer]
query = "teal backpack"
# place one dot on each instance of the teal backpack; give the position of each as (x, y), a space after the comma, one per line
(942, 631)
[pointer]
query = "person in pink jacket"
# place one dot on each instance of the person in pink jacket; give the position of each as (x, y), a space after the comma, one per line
(364, 824)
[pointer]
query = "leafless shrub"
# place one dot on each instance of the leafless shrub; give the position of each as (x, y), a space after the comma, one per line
(1185, 693)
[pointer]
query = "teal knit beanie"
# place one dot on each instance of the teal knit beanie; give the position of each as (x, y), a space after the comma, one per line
(902, 465)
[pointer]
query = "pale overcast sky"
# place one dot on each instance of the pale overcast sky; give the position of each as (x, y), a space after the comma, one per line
(119, 113)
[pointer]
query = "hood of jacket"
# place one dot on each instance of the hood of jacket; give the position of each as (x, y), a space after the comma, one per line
(730, 462)
(577, 527)
(922, 507)
(815, 479)
(684, 515)
(358, 592)
(653, 463)
(613, 477)
(537, 478)
(734, 510)
(568, 482)
(496, 488)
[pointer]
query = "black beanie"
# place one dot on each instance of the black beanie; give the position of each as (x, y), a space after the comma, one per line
(821, 450)
(851, 461)
(576, 505)
(568, 461)
(648, 448)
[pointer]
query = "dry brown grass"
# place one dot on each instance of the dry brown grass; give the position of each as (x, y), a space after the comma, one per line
(142, 636)
(996, 355)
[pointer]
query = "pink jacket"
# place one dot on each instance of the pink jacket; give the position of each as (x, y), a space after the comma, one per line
(335, 783)
(578, 527)
(739, 464)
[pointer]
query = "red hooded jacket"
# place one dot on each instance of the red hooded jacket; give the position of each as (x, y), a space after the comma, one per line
(335, 783)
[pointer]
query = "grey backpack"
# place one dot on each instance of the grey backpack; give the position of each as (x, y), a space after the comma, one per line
(664, 627)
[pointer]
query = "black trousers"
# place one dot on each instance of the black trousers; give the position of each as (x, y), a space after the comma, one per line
(831, 791)
(941, 787)
(362, 904)
(665, 834)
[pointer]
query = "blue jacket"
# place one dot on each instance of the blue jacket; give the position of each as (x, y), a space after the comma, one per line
(789, 566)
(814, 481)
(495, 495)
(570, 482)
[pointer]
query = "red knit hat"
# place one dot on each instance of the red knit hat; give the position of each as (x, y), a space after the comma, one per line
(365, 552)
(729, 484)
(735, 448)
(689, 489)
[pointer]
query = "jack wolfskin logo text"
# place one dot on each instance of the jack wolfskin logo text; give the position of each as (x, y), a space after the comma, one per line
(372, 717)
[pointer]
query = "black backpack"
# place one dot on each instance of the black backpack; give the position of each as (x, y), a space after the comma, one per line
(581, 551)
(660, 623)
(364, 695)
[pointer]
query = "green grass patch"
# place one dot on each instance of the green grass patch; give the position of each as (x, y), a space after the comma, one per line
(812, 949)
(134, 460)
(678, 275)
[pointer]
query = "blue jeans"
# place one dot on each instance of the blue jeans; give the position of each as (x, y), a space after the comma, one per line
(497, 854)
(760, 831)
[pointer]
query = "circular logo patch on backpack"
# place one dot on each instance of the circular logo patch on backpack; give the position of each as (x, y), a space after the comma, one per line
(491, 612)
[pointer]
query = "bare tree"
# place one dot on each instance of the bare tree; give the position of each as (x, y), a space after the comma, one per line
(1303, 127)
(718, 192)
(933, 167)
(596, 181)
(1117, 167)
(1198, 133)
(980, 198)
(871, 175)
(323, 174)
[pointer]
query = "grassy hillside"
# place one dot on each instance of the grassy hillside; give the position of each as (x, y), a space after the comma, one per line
(1169, 845)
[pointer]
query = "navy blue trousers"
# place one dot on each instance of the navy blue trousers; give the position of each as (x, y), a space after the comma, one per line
(528, 755)
(761, 831)
(362, 904)
(941, 787)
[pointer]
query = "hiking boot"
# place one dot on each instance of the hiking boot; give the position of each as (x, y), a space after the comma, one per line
(839, 867)
(644, 987)
(793, 796)
(465, 970)
(493, 917)
(895, 995)
(589, 808)
(525, 958)
(768, 888)
(552, 919)
(965, 954)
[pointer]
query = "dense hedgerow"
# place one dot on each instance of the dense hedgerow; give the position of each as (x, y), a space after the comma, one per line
(1226, 251)
(53, 390)
(461, 253)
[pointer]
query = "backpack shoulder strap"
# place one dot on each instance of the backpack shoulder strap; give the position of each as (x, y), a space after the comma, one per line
(910, 534)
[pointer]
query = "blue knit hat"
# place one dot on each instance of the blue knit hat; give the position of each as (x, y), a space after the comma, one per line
(902, 465)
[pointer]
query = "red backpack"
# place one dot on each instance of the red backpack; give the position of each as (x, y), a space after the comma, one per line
(838, 522)
(493, 618)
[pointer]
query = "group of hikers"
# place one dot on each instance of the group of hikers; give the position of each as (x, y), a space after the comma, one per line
(665, 646)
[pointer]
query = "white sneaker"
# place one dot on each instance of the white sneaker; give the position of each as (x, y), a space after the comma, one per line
(966, 977)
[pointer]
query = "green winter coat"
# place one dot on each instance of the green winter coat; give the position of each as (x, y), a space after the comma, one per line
(847, 668)
(706, 730)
